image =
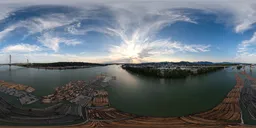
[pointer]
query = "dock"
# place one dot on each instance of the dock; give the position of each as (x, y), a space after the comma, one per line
(22, 92)
(56, 114)
(19, 87)
(83, 93)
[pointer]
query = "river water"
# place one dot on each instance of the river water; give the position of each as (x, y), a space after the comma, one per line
(134, 93)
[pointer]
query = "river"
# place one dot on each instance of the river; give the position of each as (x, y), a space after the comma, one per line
(134, 93)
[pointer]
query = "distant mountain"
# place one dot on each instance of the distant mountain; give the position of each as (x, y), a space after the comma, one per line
(231, 63)
(184, 63)
(190, 63)
(227, 63)
(194, 63)
(204, 63)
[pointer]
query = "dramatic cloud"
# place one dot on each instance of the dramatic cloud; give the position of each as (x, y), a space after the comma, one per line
(136, 52)
(132, 26)
(53, 42)
(137, 33)
(21, 48)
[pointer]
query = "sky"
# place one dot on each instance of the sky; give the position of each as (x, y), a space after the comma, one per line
(134, 31)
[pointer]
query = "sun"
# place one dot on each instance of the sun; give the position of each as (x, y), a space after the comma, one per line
(128, 50)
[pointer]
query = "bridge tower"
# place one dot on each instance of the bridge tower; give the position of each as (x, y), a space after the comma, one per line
(10, 63)
(10, 59)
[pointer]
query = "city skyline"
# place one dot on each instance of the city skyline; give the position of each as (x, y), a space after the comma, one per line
(127, 32)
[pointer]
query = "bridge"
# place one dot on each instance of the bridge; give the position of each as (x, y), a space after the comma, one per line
(10, 62)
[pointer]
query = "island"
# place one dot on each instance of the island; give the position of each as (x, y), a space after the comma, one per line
(173, 70)
(60, 65)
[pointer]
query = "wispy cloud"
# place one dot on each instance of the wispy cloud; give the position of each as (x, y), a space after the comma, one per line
(6, 31)
(53, 42)
(38, 24)
(21, 48)
(5, 12)
(243, 26)
(247, 45)
(48, 22)
(247, 50)
(50, 57)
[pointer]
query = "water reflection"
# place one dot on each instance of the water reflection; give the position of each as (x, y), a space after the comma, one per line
(135, 93)
(162, 81)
